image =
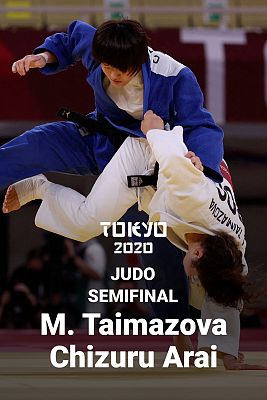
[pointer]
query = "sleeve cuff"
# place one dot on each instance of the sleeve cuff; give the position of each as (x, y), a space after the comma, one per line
(50, 68)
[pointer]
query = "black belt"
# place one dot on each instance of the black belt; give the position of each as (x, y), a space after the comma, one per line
(90, 126)
(116, 137)
(144, 180)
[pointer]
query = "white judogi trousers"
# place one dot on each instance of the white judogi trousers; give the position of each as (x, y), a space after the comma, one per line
(187, 200)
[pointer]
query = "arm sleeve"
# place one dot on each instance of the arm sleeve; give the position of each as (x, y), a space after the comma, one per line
(69, 48)
(66, 212)
(228, 344)
(182, 179)
(186, 189)
(201, 134)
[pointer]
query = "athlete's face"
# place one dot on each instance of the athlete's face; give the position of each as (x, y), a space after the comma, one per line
(116, 77)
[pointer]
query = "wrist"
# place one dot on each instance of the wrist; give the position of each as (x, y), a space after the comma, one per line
(45, 56)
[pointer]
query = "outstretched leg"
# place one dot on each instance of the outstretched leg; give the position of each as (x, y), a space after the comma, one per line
(56, 146)
(66, 212)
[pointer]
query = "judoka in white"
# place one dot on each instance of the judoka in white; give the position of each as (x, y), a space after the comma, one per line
(185, 198)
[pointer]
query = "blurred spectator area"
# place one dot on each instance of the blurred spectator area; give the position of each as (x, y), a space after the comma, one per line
(55, 14)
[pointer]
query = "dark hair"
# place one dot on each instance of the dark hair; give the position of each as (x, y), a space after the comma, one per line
(220, 270)
(121, 44)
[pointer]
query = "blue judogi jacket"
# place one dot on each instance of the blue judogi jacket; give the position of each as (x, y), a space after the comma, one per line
(170, 90)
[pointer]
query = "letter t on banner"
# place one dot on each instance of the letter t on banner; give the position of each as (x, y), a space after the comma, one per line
(214, 41)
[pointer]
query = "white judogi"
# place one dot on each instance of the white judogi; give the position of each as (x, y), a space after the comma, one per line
(187, 200)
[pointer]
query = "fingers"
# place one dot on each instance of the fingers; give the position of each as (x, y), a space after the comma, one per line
(195, 160)
(19, 67)
(231, 363)
(151, 115)
(197, 163)
(11, 202)
(190, 154)
(23, 65)
(148, 113)
(241, 366)
(151, 121)
(14, 68)
(27, 63)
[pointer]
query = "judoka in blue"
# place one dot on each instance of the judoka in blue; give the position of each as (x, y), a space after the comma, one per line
(170, 90)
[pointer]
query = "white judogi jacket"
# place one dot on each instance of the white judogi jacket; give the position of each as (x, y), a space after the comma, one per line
(185, 198)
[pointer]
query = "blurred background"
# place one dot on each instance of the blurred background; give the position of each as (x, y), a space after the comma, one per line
(224, 42)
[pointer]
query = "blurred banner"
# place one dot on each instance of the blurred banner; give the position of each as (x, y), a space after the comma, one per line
(213, 16)
(230, 65)
(116, 9)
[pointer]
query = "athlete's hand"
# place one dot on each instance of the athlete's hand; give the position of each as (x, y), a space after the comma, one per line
(151, 121)
(195, 160)
(23, 65)
(231, 363)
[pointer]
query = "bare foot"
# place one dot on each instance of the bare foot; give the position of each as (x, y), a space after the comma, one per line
(11, 201)
(24, 191)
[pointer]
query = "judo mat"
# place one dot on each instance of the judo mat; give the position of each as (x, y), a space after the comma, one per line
(26, 372)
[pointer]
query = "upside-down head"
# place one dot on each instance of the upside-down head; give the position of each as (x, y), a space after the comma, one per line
(217, 262)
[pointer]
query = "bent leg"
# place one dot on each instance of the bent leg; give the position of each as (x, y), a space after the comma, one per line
(56, 146)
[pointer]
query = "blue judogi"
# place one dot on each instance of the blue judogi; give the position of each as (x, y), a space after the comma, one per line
(170, 90)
